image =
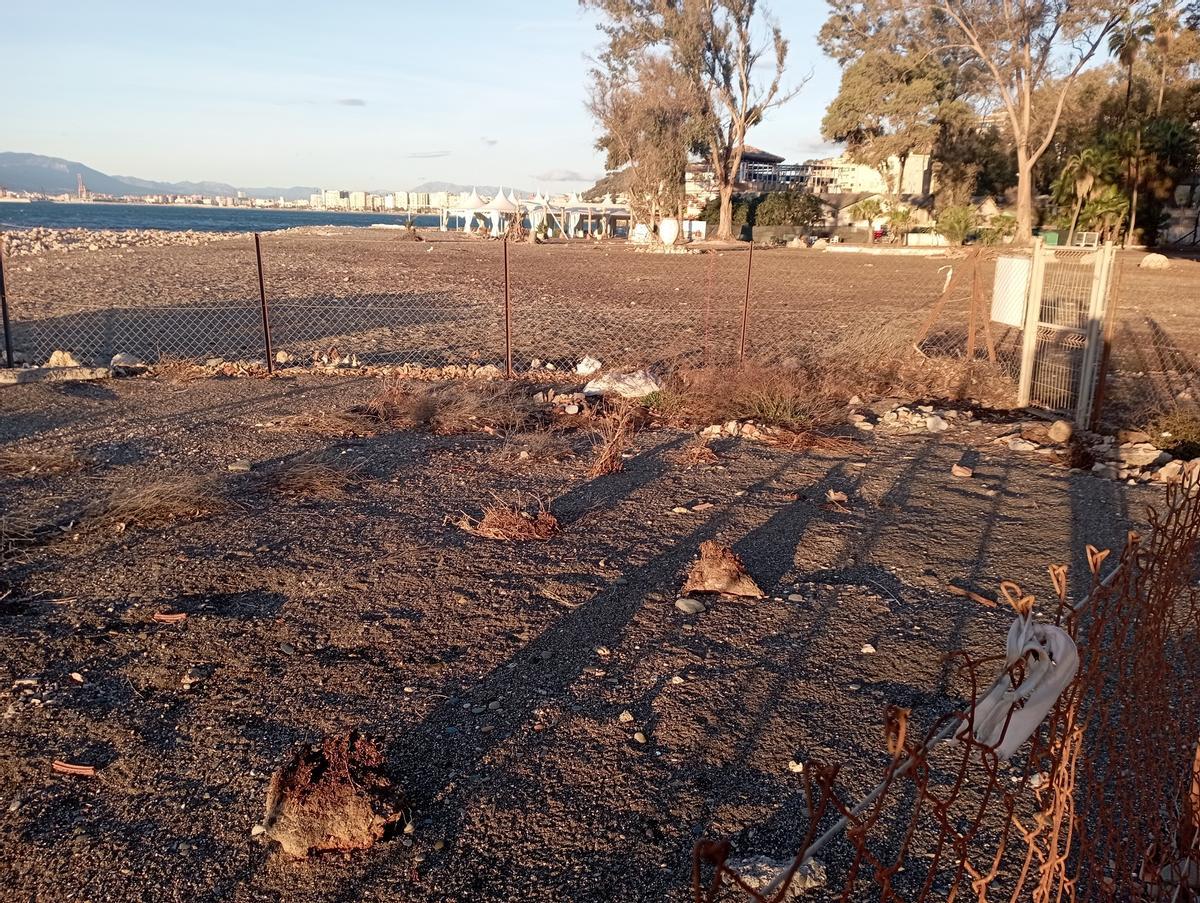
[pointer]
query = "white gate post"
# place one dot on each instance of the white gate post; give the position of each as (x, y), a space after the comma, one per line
(1033, 315)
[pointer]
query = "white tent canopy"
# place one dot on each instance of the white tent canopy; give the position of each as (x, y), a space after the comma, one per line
(469, 207)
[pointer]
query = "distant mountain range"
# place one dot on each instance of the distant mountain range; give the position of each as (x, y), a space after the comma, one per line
(53, 175)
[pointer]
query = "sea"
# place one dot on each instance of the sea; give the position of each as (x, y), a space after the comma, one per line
(179, 218)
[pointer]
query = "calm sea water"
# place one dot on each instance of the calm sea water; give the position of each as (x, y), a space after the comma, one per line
(180, 219)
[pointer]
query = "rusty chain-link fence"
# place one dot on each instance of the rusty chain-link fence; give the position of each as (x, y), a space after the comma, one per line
(384, 296)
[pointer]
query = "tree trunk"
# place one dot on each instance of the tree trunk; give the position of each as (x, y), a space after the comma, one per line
(1075, 218)
(1162, 86)
(725, 224)
(1132, 217)
(1024, 199)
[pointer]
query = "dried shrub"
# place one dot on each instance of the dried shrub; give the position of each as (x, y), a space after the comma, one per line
(697, 453)
(16, 533)
(315, 476)
(613, 436)
(183, 497)
(1178, 433)
(336, 797)
(538, 446)
(32, 462)
(452, 407)
(512, 522)
(797, 400)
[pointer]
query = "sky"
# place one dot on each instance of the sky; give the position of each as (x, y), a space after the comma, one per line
(356, 95)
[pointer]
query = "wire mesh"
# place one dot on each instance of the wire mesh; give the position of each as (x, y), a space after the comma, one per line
(152, 302)
(379, 297)
(1154, 365)
(1100, 802)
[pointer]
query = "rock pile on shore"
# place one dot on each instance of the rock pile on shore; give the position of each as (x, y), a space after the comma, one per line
(40, 240)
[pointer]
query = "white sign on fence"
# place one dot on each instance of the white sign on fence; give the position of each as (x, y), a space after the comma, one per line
(1010, 291)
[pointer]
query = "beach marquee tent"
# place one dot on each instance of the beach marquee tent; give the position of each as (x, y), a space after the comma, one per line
(498, 208)
(469, 207)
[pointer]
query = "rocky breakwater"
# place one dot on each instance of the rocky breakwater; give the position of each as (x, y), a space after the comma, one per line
(39, 240)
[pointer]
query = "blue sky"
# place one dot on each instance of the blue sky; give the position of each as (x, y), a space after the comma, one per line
(337, 94)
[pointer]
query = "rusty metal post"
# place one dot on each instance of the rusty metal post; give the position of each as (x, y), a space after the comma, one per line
(9, 361)
(508, 367)
(262, 300)
(746, 305)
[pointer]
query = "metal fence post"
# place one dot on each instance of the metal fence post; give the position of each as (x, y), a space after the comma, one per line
(746, 305)
(262, 300)
(9, 362)
(508, 367)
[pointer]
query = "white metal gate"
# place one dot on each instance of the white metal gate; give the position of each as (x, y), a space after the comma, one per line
(1064, 329)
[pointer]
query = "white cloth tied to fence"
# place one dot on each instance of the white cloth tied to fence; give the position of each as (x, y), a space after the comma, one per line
(1051, 661)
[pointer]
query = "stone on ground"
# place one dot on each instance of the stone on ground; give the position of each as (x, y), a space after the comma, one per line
(60, 358)
(632, 384)
(759, 871)
(587, 365)
(1154, 262)
(1060, 431)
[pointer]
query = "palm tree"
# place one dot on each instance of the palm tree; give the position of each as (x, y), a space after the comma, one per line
(1105, 212)
(1125, 43)
(1079, 177)
(1164, 26)
(869, 209)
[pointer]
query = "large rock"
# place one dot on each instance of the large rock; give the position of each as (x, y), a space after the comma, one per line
(124, 363)
(632, 384)
(587, 366)
(1140, 454)
(62, 358)
(1154, 262)
(1060, 431)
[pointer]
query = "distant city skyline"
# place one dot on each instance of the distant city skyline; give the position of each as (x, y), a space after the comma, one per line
(358, 94)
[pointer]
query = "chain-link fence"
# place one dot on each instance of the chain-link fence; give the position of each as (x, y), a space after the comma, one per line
(385, 296)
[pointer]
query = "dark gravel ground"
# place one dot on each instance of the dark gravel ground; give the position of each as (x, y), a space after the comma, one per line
(309, 616)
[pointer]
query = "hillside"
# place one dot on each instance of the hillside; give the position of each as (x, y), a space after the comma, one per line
(54, 175)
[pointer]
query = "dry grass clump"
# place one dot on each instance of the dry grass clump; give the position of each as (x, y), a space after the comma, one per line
(697, 453)
(315, 477)
(1179, 433)
(613, 436)
(797, 400)
(546, 446)
(15, 462)
(15, 533)
(328, 424)
(452, 407)
(512, 522)
(158, 501)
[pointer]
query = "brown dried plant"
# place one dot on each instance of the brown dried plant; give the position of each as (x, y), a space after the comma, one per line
(182, 497)
(511, 521)
(613, 436)
(34, 462)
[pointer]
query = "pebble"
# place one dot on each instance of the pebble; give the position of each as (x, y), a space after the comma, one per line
(690, 606)
(867, 649)
(961, 470)
(625, 717)
(239, 466)
(639, 737)
(796, 597)
(257, 830)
